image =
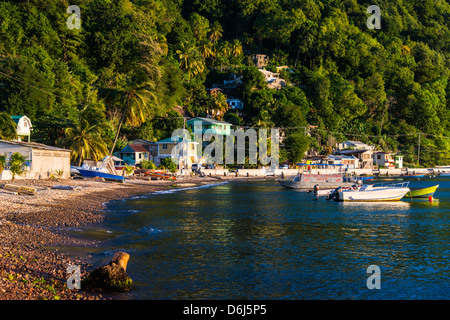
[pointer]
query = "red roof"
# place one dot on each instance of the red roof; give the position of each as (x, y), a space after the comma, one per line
(139, 148)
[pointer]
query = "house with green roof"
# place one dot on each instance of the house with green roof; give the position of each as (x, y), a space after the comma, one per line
(24, 127)
(209, 126)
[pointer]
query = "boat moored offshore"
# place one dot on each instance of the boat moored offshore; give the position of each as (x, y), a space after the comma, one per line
(310, 177)
(372, 192)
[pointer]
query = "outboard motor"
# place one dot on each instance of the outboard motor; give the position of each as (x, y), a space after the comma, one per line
(334, 195)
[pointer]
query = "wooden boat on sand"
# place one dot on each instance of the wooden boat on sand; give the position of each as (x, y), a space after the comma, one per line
(155, 174)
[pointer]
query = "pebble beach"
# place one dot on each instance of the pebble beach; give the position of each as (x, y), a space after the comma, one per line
(33, 231)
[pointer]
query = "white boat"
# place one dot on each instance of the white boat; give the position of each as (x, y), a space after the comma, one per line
(325, 192)
(373, 192)
(309, 178)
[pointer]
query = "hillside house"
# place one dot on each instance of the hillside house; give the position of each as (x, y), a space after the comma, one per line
(354, 145)
(260, 60)
(209, 126)
(273, 79)
(214, 91)
(235, 104)
(24, 127)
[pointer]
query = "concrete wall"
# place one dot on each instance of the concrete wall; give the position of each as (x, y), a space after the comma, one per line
(47, 163)
(215, 172)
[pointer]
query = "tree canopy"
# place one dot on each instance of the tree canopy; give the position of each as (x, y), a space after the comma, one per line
(384, 86)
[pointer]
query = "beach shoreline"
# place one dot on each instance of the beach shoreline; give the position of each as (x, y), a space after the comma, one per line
(30, 225)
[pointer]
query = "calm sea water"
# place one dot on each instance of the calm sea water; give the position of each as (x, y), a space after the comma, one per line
(257, 240)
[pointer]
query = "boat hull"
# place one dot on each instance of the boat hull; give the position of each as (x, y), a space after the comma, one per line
(93, 174)
(413, 176)
(422, 193)
(394, 194)
(310, 185)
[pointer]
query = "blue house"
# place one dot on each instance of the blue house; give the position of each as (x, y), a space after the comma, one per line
(133, 154)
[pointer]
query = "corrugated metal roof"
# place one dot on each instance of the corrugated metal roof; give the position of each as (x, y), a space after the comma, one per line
(34, 145)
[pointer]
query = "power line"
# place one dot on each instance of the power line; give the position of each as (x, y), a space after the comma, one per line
(248, 127)
(34, 87)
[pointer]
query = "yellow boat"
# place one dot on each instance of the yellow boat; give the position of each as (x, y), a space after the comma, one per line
(422, 193)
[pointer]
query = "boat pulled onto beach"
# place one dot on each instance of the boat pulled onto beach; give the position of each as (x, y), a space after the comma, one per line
(105, 170)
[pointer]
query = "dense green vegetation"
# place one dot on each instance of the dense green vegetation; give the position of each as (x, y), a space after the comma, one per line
(134, 62)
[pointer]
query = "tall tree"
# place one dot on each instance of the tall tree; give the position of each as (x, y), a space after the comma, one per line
(137, 95)
(7, 127)
(85, 137)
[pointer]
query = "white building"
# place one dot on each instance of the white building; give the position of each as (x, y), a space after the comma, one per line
(42, 161)
(235, 104)
(354, 145)
(273, 79)
(347, 162)
(24, 127)
(383, 159)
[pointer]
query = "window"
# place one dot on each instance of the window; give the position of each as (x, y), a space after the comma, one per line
(164, 146)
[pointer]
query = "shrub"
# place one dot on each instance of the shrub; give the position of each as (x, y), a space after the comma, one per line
(167, 163)
(147, 164)
(17, 164)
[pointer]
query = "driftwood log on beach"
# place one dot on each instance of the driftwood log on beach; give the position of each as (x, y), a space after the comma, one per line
(110, 278)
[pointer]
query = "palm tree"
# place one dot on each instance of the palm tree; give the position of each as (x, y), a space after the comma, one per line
(136, 96)
(206, 49)
(221, 105)
(7, 127)
(263, 120)
(237, 48)
(216, 32)
(84, 136)
(16, 164)
(190, 60)
(2, 163)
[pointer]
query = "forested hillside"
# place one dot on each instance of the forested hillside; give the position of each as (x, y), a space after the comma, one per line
(143, 61)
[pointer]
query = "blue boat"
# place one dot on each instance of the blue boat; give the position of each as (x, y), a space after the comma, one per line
(412, 176)
(105, 171)
(358, 178)
(87, 173)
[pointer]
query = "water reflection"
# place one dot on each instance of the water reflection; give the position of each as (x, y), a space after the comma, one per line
(378, 205)
(259, 241)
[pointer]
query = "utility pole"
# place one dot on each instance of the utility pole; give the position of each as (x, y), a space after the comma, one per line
(418, 151)
(183, 146)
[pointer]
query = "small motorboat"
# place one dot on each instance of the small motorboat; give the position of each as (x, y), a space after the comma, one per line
(444, 175)
(422, 192)
(412, 176)
(106, 171)
(372, 192)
